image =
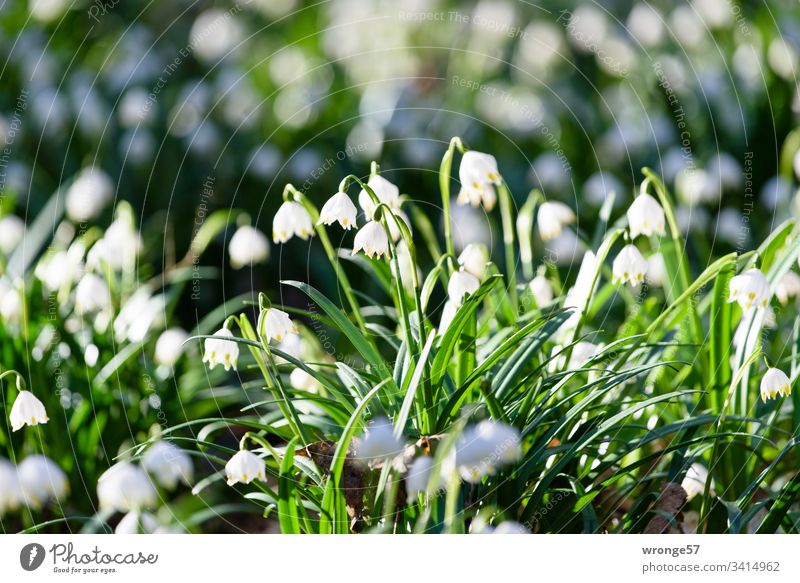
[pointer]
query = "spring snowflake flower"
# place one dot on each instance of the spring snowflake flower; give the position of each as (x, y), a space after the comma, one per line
(750, 289)
(392, 222)
(629, 266)
(244, 467)
(694, 483)
(474, 258)
(41, 480)
(136, 522)
(372, 240)
(168, 464)
(118, 248)
(774, 383)
(510, 527)
(788, 287)
(170, 346)
(248, 246)
(10, 491)
(291, 220)
(478, 174)
(542, 290)
(27, 410)
(91, 295)
(407, 267)
(12, 230)
(386, 192)
(88, 195)
(339, 208)
(140, 313)
(461, 285)
(418, 476)
(221, 351)
(60, 268)
(645, 217)
(448, 313)
(11, 305)
(485, 447)
(656, 270)
(551, 219)
(125, 487)
(379, 442)
(276, 325)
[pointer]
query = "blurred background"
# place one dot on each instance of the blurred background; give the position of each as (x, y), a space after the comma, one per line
(193, 106)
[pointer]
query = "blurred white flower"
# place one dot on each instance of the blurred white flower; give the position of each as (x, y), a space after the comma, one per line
(552, 217)
(774, 383)
(221, 351)
(510, 527)
(91, 295)
(141, 312)
(448, 313)
(656, 270)
(10, 491)
(461, 285)
(645, 217)
(582, 352)
(379, 442)
(542, 290)
(276, 325)
(170, 346)
(788, 287)
(474, 258)
(136, 522)
(125, 487)
(244, 467)
(393, 223)
(11, 304)
(291, 220)
(386, 192)
(629, 266)
(750, 289)
(214, 33)
(47, 10)
(41, 480)
(168, 464)
(27, 410)
(248, 246)
(372, 240)
(88, 195)
(485, 447)
(12, 230)
(418, 476)
(407, 266)
(60, 268)
(339, 208)
(645, 23)
(91, 355)
(694, 482)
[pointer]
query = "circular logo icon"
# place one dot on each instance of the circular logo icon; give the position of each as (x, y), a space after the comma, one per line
(31, 556)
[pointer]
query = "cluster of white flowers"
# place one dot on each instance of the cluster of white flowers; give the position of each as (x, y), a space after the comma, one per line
(126, 487)
(36, 481)
(478, 175)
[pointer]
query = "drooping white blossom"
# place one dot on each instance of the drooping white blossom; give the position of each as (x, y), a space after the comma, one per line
(117, 248)
(386, 192)
(551, 219)
(788, 287)
(168, 464)
(12, 231)
(27, 410)
(694, 482)
(221, 351)
(244, 467)
(137, 522)
(10, 490)
(276, 325)
(448, 313)
(379, 442)
(750, 289)
(339, 209)
(125, 487)
(41, 480)
(478, 174)
(372, 240)
(474, 259)
(656, 270)
(510, 527)
(91, 295)
(629, 266)
(542, 290)
(645, 217)
(248, 246)
(461, 285)
(170, 346)
(88, 195)
(484, 448)
(774, 383)
(291, 220)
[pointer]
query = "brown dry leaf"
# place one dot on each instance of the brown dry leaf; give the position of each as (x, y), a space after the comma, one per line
(670, 501)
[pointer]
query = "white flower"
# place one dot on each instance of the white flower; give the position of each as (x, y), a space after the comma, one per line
(418, 476)
(393, 223)
(88, 195)
(11, 304)
(750, 289)
(91, 295)
(290, 220)
(448, 313)
(372, 240)
(407, 266)
(694, 483)
(788, 287)
(484, 447)
(582, 352)
(168, 464)
(551, 218)
(339, 208)
(12, 230)
(27, 410)
(774, 383)
(60, 268)
(139, 313)
(577, 295)
(136, 522)
(303, 381)
(478, 174)
(248, 246)
(221, 351)
(169, 346)
(118, 248)
(542, 290)
(510, 527)
(125, 487)
(40, 480)
(656, 270)
(386, 192)
(379, 442)
(645, 217)
(629, 266)
(244, 467)
(473, 259)
(461, 284)
(10, 491)
(276, 325)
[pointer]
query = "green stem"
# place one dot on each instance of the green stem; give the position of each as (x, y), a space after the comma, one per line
(445, 169)
(506, 214)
